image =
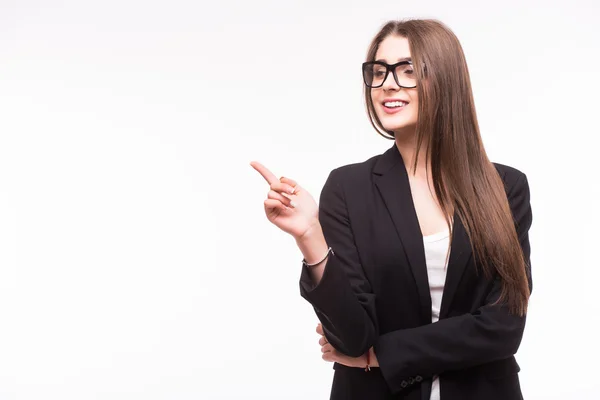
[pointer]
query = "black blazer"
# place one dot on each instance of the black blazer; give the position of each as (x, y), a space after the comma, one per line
(375, 292)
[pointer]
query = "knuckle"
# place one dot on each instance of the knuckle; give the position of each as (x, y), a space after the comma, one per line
(276, 196)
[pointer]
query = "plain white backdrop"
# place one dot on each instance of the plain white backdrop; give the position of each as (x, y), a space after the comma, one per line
(135, 258)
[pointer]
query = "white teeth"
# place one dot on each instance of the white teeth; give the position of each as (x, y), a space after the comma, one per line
(394, 104)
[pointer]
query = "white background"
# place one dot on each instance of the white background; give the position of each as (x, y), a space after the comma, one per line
(135, 258)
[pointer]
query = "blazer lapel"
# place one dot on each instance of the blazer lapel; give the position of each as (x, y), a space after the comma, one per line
(391, 179)
(460, 252)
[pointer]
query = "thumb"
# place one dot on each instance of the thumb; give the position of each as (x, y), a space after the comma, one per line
(320, 329)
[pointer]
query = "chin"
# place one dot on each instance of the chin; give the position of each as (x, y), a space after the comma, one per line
(398, 126)
(393, 122)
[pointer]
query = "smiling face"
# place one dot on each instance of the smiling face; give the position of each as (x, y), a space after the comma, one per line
(396, 107)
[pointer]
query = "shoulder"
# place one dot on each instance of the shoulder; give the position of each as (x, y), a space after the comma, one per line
(516, 186)
(356, 172)
(350, 180)
(514, 179)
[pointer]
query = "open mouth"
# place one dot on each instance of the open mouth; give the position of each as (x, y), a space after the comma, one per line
(391, 107)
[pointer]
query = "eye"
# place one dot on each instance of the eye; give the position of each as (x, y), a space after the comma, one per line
(405, 70)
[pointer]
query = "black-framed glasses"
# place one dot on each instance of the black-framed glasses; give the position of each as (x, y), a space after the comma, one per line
(376, 72)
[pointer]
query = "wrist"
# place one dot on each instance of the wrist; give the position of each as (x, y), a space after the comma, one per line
(312, 232)
(373, 358)
(312, 244)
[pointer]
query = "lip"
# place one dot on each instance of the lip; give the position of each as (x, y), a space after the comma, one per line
(389, 110)
(394, 99)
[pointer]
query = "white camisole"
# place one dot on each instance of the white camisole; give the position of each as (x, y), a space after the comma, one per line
(436, 256)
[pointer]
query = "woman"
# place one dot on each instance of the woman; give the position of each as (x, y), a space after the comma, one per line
(417, 260)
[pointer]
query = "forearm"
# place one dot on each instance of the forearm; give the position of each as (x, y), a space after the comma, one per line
(348, 318)
(450, 344)
(337, 288)
(314, 247)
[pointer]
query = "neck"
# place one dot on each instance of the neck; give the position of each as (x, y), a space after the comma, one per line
(407, 146)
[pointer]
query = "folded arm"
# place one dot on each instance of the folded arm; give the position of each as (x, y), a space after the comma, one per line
(491, 333)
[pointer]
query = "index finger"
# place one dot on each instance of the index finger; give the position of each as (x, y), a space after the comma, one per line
(264, 171)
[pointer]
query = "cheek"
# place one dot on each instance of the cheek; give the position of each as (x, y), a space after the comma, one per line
(374, 96)
(377, 107)
(414, 107)
(414, 95)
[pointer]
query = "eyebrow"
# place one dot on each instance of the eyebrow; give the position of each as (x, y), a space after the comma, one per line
(399, 60)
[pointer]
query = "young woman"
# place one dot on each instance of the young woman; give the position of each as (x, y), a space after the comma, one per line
(416, 261)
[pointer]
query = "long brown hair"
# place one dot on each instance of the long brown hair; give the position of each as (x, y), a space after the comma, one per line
(464, 178)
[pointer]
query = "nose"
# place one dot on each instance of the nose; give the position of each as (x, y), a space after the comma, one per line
(390, 82)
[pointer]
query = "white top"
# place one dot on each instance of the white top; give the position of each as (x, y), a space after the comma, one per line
(436, 257)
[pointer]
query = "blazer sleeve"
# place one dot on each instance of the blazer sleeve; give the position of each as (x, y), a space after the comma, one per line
(488, 334)
(343, 300)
